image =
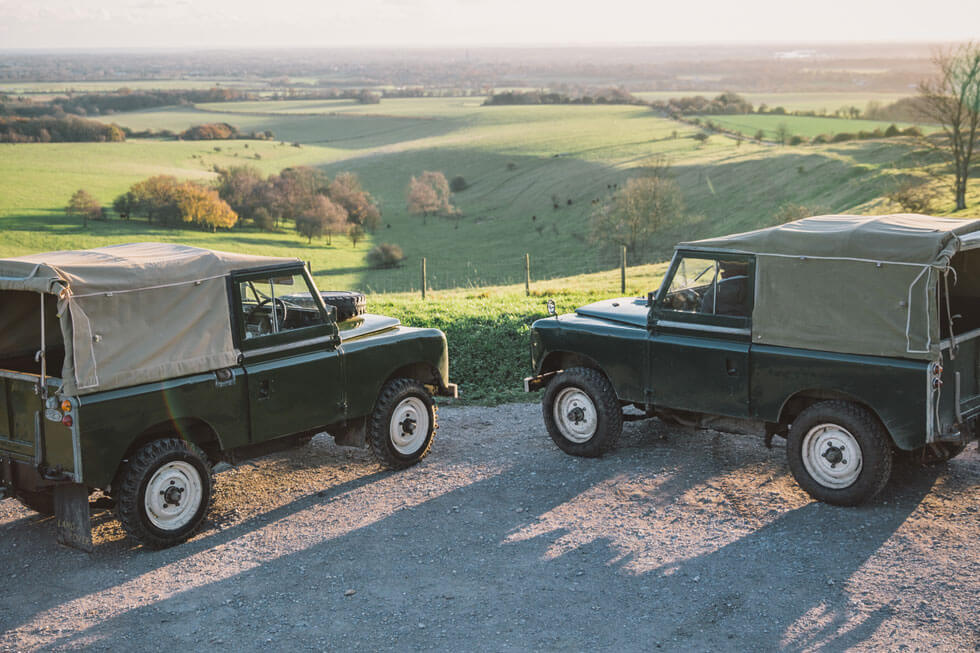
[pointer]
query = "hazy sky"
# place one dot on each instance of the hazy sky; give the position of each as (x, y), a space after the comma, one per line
(332, 23)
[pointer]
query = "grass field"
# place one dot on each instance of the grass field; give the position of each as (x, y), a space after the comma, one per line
(515, 158)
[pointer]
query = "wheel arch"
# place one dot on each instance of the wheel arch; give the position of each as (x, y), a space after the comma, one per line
(420, 371)
(562, 360)
(191, 429)
(798, 402)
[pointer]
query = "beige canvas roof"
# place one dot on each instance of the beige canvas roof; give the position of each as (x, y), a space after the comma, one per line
(134, 313)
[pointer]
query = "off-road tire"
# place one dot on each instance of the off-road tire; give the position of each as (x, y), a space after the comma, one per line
(865, 429)
(407, 397)
(42, 501)
(608, 413)
(348, 303)
(136, 475)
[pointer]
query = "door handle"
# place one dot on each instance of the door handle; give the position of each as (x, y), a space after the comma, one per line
(730, 367)
(265, 389)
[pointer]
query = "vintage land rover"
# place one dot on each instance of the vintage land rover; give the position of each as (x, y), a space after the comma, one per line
(133, 369)
(851, 336)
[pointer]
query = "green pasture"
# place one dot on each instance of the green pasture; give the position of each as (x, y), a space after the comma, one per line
(517, 160)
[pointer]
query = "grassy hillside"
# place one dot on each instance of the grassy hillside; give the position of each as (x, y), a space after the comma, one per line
(515, 158)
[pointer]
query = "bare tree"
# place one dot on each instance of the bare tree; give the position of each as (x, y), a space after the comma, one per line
(952, 99)
(83, 204)
(429, 194)
(636, 212)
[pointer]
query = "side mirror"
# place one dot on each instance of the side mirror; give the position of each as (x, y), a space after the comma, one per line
(551, 308)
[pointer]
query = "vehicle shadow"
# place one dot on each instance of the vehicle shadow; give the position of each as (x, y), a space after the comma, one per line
(450, 573)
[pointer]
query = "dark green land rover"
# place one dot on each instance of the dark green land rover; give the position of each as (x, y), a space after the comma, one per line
(132, 369)
(851, 336)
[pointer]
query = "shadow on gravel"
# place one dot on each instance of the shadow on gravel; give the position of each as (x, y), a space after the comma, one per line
(440, 575)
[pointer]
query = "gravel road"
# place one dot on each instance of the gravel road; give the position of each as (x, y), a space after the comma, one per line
(679, 539)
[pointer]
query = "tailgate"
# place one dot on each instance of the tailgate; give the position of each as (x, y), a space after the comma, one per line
(20, 414)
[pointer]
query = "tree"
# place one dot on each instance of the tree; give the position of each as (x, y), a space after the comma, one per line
(323, 218)
(204, 207)
(635, 213)
(126, 204)
(361, 208)
(156, 198)
(782, 133)
(84, 205)
(245, 190)
(428, 194)
(701, 138)
(294, 190)
(952, 99)
(355, 232)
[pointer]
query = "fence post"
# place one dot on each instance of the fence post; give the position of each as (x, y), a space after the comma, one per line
(423, 277)
(527, 274)
(622, 272)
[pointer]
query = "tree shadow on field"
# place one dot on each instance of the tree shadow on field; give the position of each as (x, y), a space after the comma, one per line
(472, 569)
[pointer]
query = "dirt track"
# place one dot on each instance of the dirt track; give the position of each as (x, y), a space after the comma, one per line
(679, 539)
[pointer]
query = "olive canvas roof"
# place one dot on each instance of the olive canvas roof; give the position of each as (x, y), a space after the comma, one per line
(905, 237)
(128, 314)
(127, 267)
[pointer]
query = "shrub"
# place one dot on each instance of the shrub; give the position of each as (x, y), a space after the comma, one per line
(511, 165)
(760, 135)
(385, 255)
(914, 196)
(892, 131)
(841, 137)
(210, 132)
(912, 131)
(458, 184)
(820, 139)
(796, 139)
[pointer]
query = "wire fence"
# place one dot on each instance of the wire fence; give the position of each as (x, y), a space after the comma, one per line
(443, 272)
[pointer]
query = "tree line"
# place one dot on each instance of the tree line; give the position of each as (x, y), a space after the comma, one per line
(58, 130)
(599, 96)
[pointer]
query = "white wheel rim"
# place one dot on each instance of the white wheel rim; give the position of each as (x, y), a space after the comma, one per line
(409, 426)
(173, 495)
(575, 415)
(832, 456)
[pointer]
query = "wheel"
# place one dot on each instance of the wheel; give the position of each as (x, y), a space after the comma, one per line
(164, 492)
(582, 412)
(41, 501)
(348, 304)
(839, 453)
(401, 428)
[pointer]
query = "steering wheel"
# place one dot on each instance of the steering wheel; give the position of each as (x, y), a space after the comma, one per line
(275, 307)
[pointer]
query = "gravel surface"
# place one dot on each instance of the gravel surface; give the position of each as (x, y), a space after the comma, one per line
(679, 539)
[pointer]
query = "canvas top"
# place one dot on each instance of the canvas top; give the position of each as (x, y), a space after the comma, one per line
(899, 238)
(120, 268)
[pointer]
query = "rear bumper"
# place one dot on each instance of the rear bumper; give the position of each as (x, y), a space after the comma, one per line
(16, 475)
